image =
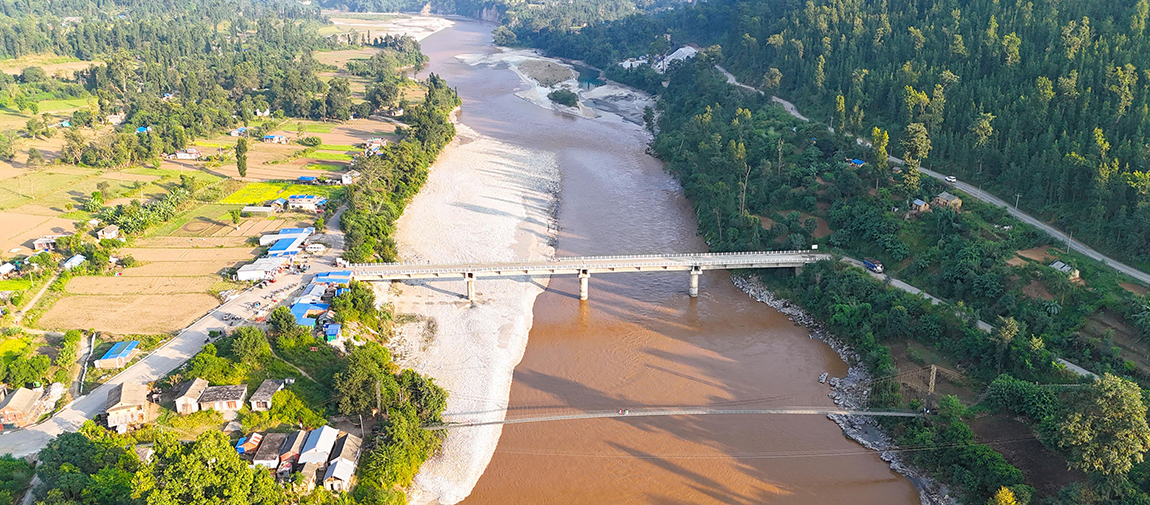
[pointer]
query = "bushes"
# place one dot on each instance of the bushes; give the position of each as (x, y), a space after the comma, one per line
(1026, 398)
(564, 96)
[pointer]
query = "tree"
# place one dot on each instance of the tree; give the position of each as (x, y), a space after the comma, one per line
(235, 214)
(206, 471)
(1004, 496)
(35, 158)
(1106, 430)
(503, 36)
(281, 320)
(251, 345)
(879, 140)
(1004, 334)
(841, 111)
(915, 144)
(369, 381)
(242, 156)
(7, 150)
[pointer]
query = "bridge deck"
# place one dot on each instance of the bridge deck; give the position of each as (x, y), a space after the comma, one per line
(587, 264)
(682, 412)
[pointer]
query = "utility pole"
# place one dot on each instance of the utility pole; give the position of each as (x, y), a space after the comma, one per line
(1069, 239)
(1016, 197)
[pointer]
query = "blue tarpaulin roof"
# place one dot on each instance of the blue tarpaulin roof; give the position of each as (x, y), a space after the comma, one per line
(332, 332)
(300, 311)
(121, 349)
(858, 162)
(307, 178)
(282, 245)
(143, 129)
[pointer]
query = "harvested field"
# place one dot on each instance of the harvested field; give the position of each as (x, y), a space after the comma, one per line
(1037, 254)
(1037, 290)
(139, 285)
(139, 314)
(340, 58)
(197, 242)
(352, 133)
(191, 254)
(1015, 261)
(1134, 288)
(181, 268)
(21, 190)
(53, 65)
(418, 27)
(1105, 324)
(19, 230)
(1044, 469)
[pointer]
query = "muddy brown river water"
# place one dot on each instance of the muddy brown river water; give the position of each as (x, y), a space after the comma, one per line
(640, 341)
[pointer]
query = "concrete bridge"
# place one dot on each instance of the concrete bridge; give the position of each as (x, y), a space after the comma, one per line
(693, 263)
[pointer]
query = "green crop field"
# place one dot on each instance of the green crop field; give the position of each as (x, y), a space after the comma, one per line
(70, 103)
(336, 147)
(15, 285)
(320, 155)
(323, 166)
(13, 348)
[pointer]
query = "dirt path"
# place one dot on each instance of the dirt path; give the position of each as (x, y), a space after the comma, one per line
(32, 303)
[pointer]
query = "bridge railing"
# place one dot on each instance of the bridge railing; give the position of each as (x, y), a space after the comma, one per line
(502, 265)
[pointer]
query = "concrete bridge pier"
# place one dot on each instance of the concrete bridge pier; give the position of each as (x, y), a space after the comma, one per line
(798, 270)
(470, 276)
(584, 277)
(694, 291)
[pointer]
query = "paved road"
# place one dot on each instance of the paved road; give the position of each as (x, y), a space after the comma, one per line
(161, 361)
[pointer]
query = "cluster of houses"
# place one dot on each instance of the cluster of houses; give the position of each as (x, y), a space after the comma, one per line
(312, 309)
(23, 406)
(197, 395)
(941, 200)
(324, 455)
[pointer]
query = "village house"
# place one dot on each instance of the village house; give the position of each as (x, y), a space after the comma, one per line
(238, 131)
(108, 232)
(946, 199)
(310, 203)
(73, 262)
(341, 463)
(289, 452)
(261, 400)
(47, 242)
(318, 445)
(373, 145)
(249, 444)
(275, 139)
(349, 178)
(310, 472)
(190, 153)
(251, 210)
(6, 269)
(1066, 269)
(119, 355)
(116, 119)
(18, 408)
(223, 398)
(279, 204)
(919, 206)
(127, 406)
(268, 455)
(188, 401)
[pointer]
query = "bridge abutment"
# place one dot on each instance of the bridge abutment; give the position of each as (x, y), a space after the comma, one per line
(470, 276)
(584, 278)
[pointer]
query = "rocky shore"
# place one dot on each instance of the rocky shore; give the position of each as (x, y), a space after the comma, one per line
(851, 392)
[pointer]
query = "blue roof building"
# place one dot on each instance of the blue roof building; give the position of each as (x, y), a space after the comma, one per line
(307, 178)
(301, 311)
(119, 355)
(144, 129)
(332, 332)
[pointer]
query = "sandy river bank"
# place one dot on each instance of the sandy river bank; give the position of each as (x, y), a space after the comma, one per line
(484, 201)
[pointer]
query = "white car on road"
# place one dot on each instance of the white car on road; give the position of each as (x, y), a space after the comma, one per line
(951, 179)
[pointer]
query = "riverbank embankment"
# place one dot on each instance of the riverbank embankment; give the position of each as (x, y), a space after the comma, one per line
(850, 392)
(484, 200)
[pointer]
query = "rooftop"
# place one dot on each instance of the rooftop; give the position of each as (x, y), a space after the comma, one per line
(193, 388)
(223, 393)
(947, 196)
(20, 400)
(121, 349)
(347, 447)
(270, 447)
(342, 470)
(293, 444)
(126, 394)
(320, 439)
(266, 390)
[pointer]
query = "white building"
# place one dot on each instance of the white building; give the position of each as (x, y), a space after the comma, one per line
(318, 445)
(263, 268)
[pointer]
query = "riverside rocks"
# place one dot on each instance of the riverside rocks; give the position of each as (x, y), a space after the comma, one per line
(851, 392)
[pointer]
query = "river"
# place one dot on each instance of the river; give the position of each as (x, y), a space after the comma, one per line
(640, 341)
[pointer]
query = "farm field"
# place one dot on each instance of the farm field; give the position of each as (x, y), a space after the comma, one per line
(19, 230)
(262, 192)
(139, 285)
(128, 313)
(51, 64)
(30, 186)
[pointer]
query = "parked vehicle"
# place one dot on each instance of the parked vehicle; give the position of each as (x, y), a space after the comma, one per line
(951, 179)
(873, 265)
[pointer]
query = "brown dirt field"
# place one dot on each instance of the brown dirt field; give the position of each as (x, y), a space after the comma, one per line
(1015, 261)
(196, 242)
(340, 58)
(351, 132)
(38, 210)
(1128, 339)
(128, 314)
(1043, 468)
(19, 230)
(7, 171)
(1037, 254)
(1037, 290)
(1134, 288)
(180, 268)
(194, 254)
(139, 285)
(15, 67)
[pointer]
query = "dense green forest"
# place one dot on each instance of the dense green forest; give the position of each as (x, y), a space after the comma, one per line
(1046, 100)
